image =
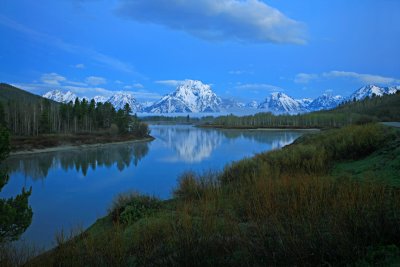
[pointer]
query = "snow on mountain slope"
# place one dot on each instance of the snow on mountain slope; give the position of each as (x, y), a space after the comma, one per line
(370, 90)
(304, 102)
(252, 104)
(119, 100)
(100, 99)
(325, 101)
(190, 96)
(194, 96)
(280, 103)
(231, 104)
(59, 96)
(147, 104)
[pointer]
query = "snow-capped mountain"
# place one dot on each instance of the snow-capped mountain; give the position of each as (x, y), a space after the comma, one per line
(189, 96)
(120, 99)
(280, 103)
(194, 96)
(370, 90)
(252, 104)
(231, 104)
(147, 104)
(325, 101)
(100, 99)
(305, 102)
(58, 96)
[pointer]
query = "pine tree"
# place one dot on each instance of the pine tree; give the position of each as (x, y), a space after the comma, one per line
(15, 213)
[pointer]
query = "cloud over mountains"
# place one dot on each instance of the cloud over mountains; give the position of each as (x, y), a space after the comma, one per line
(244, 21)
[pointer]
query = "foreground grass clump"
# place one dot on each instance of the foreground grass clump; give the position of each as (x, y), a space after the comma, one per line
(129, 207)
(285, 207)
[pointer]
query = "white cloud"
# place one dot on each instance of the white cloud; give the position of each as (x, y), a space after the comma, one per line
(138, 86)
(76, 83)
(52, 78)
(170, 82)
(80, 66)
(305, 77)
(335, 74)
(365, 78)
(94, 80)
(238, 20)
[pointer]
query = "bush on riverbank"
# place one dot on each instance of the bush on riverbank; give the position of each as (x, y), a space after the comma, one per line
(283, 207)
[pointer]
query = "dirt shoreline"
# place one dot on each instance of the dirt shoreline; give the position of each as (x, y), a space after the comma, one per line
(77, 146)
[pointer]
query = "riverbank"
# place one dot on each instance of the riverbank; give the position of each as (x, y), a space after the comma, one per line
(331, 198)
(51, 143)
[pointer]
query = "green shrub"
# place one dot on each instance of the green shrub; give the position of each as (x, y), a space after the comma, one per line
(129, 207)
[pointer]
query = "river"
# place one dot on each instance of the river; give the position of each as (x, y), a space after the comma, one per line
(72, 188)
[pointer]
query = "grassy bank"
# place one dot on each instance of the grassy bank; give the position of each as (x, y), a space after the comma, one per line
(330, 198)
(28, 143)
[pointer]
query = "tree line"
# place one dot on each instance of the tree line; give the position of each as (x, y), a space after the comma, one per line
(80, 116)
(385, 108)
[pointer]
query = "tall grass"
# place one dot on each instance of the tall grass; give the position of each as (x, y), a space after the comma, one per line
(278, 208)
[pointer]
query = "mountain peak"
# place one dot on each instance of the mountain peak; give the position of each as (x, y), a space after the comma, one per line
(279, 102)
(120, 99)
(59, 96)
(372, 90)
(325, 101)
(189, 96)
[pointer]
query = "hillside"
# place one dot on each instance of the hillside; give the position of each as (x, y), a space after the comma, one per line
(384, 108)
(12, 93)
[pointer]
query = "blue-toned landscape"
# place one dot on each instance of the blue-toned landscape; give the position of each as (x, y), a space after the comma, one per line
(199, 133)
(86, 181)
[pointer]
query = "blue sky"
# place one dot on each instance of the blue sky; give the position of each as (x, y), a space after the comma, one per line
(245, 49)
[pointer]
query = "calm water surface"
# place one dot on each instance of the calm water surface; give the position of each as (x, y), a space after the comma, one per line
(73, 188)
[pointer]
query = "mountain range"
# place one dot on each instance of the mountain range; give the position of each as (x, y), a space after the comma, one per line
(118, 100)
(192, 96)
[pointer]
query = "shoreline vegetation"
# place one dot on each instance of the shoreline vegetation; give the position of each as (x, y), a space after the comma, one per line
(33, 145)
(321, 200)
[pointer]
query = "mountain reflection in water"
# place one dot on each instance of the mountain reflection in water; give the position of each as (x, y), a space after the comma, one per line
(195, 145)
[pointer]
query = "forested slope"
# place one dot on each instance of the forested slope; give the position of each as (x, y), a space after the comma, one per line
(27, 115)
(385, 108)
